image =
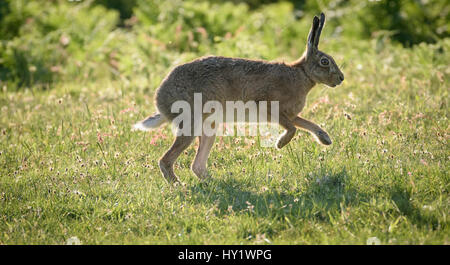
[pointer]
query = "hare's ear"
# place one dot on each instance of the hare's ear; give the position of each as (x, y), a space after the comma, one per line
(319, 31)
(310, 47)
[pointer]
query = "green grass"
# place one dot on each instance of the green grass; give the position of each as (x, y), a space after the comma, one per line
(70, 166)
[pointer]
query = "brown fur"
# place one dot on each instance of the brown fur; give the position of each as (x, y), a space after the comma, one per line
(232, 79)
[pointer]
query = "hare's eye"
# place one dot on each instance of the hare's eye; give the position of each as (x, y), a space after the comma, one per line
(324, 61)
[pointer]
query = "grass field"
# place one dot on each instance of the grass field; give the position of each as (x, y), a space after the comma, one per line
(71, 167)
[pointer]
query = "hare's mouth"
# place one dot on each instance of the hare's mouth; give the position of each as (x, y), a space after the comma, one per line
(337, 84)
(338, 80)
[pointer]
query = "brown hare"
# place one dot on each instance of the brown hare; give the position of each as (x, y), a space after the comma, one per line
(234, 79)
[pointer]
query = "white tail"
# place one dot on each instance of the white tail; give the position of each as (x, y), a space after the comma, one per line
(149, 123)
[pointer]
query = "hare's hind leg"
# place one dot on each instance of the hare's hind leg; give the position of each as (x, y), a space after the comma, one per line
(168, 159)
(201, 158)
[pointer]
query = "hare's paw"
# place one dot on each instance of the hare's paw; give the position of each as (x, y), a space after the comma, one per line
(281, 144)
(201, 173)
(323, 137)
(285, 138)
(167, 172)
(282, 141)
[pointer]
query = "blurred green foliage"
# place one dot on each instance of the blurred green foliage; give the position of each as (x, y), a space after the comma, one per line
(124, 7)
(46, 41)
(42, 40)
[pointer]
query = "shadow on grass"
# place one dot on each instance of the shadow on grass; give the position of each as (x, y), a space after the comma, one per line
(325, 192)
(326, 195)
(417, 216)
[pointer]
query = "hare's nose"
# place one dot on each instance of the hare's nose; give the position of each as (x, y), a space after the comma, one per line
(341, 77)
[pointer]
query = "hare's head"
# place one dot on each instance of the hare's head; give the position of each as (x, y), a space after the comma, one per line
(320, 66)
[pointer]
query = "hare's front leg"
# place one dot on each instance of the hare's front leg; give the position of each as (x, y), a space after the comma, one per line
(201, 158)
(286, 137)
(313, 128)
